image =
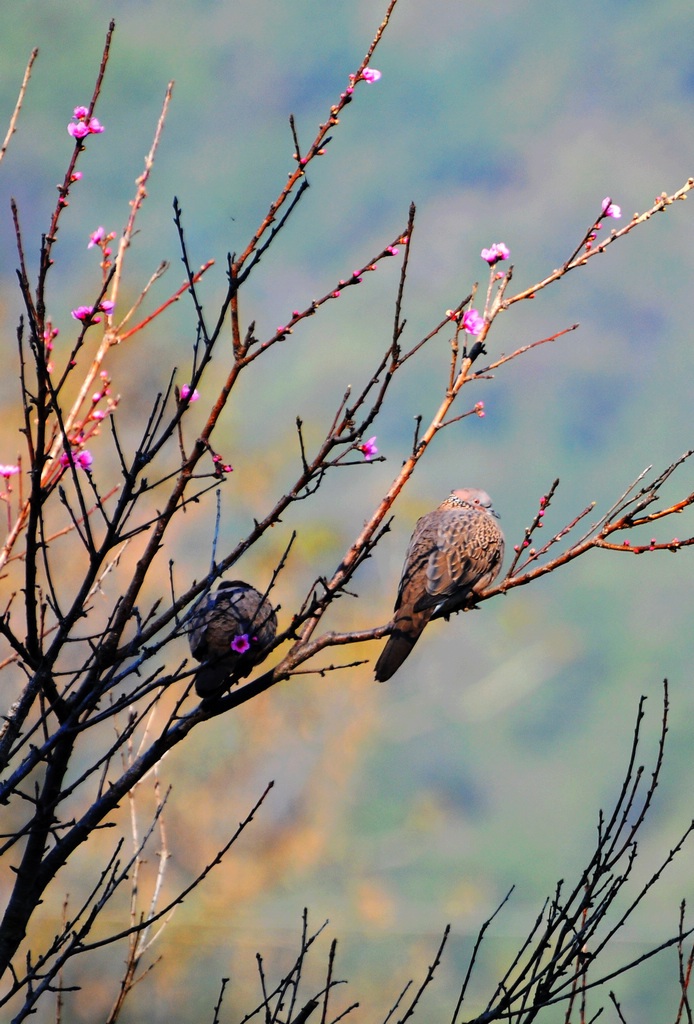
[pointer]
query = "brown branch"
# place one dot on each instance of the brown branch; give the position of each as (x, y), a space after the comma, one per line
(165, 305)
(110, 337)
(298, 315)
(660, 205)
(140, 194)
(314, 150)
(64, 189)
(20, 99)
(526, 348)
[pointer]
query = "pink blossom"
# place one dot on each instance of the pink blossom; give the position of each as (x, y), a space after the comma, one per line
(472, 322)
(240, 644)
(87, 312)
(368, 448)
(84, 125)
(78, 131)
(392, 250)
(186, 393)
(497, 251)
(82, 458)
(96, 237)
(611, 209)
(370, 75)
(84, 313)
(8, 471)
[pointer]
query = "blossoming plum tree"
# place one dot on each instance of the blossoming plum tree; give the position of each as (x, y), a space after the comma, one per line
(77, 738)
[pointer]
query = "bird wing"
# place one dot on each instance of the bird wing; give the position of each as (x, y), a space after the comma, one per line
(451, 552)
(202, 614)
(452, 565)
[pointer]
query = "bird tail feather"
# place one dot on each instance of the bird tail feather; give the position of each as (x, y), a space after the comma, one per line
(393, 654)
(407, 629)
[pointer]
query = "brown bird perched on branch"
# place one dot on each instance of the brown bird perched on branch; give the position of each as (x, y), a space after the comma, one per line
(455, 552)
(230, 632)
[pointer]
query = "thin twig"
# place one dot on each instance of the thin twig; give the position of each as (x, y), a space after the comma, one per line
(20, 99)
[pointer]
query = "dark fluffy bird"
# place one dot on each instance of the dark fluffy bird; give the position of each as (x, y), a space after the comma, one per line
(455, 552)
(230, 632)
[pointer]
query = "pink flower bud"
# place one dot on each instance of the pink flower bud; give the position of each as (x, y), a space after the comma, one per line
(96, 237)
(611, 209)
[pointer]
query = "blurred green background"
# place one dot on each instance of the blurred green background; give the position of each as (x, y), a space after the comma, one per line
(484, 763)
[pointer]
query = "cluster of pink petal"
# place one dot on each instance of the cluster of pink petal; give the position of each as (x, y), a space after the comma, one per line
(472, 322)
(8, 471)
(368, 448)
(83, 459)
(87, 312)
(84, 124)
(370, 75)
(240, 644)
(497, 251)
(186, 393)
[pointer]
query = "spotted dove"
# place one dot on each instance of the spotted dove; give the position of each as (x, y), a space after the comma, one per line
(455, 552)
(230, 632)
